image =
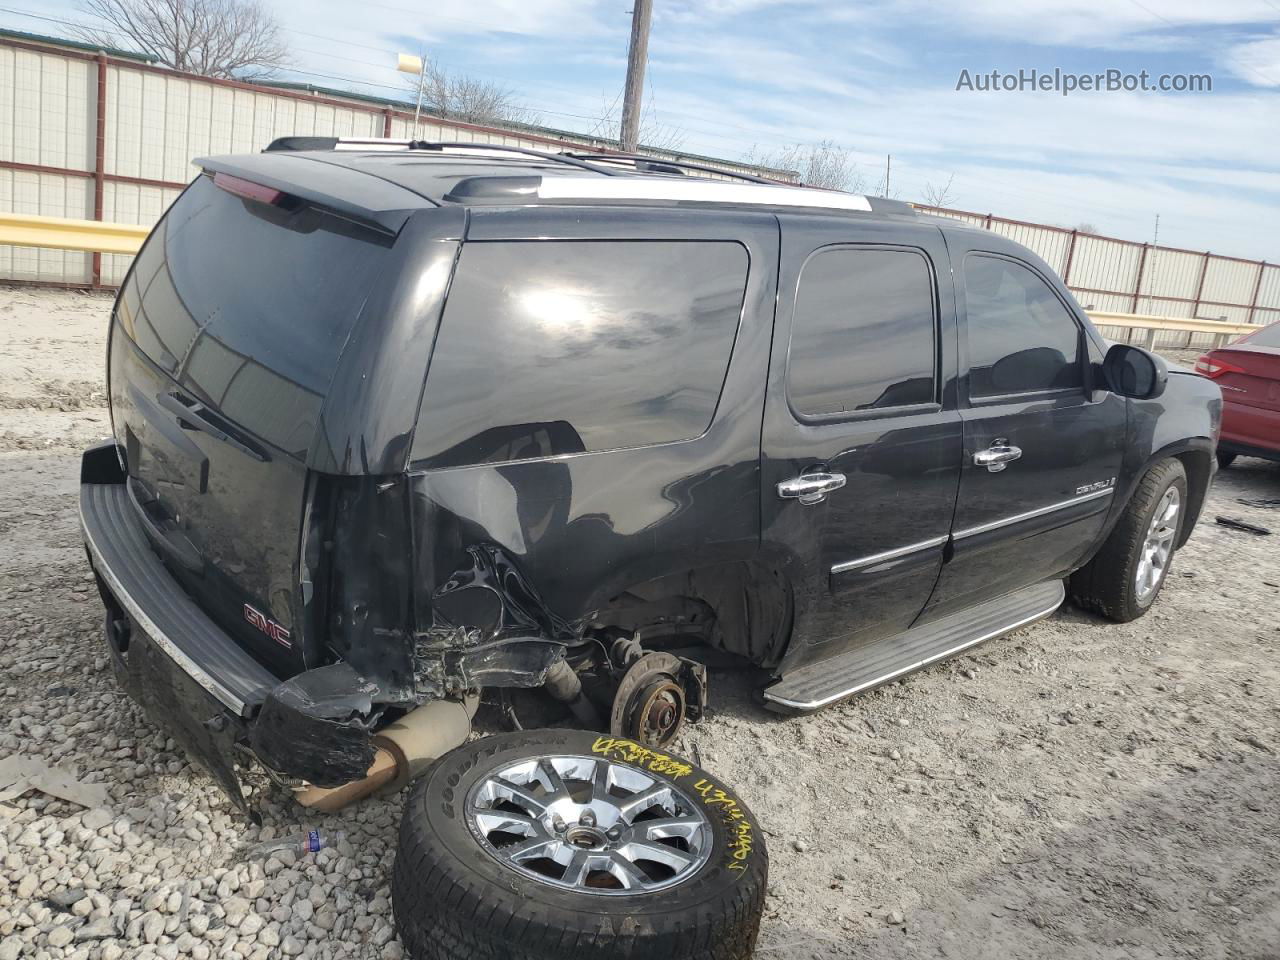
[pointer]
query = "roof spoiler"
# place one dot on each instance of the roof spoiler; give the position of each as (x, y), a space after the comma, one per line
(367, 200)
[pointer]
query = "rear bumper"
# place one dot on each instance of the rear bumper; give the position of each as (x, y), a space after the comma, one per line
(1251, 431)
(157, 606)
(193, 679)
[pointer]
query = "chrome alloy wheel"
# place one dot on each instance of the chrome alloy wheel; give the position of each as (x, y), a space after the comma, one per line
(1157, 548)
(589, 825)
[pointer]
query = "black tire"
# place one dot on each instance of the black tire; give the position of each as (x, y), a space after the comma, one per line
(1106, 585)
(453, 899)
(1225, 460)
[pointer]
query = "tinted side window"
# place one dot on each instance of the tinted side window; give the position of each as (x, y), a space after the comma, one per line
(863, 333)
(1021, 337)
(550, 347)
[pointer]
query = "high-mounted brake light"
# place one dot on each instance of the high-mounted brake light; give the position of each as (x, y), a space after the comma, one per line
(247, 189)
(1213, 367)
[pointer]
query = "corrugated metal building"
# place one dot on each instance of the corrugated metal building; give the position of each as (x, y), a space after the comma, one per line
(108, 135)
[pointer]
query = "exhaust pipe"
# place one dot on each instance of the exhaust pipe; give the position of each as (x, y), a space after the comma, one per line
(403, 749)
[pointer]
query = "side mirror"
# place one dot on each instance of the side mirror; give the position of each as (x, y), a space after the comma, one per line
(1133, 372)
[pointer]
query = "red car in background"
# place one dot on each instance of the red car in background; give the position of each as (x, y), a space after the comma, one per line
(1248, 371)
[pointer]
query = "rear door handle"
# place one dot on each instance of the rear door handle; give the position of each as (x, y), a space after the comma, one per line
(999, 455)
(810, 487)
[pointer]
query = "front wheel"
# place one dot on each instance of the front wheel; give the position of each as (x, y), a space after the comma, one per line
(1124, 579)
(554, 844)
(1225, 459)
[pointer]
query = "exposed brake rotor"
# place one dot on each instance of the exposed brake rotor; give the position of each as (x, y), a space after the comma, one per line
(655, 694)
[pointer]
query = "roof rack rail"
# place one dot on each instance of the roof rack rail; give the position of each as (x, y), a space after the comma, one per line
(386, 144)
(676, 166)
(566, 158)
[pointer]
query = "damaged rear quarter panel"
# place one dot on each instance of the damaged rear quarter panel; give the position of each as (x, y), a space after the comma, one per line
(532, 548)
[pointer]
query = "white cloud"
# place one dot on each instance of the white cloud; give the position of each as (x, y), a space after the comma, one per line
(1104, 24)
(1256, 61)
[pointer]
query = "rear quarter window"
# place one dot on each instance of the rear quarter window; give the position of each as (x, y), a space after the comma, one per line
(554, 347)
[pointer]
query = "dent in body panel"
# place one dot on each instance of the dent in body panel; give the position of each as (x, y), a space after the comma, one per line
(525, 557)
(527, 554)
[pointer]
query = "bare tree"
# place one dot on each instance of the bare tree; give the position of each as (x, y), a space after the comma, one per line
(457, 96)
(820, 165)
(935, 196)
(659, 137)
(216, 38)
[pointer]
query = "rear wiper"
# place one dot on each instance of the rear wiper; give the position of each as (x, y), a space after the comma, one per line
(194, 415)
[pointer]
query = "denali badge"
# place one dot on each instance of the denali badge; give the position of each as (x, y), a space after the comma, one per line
(1100, 485)
(268, 626)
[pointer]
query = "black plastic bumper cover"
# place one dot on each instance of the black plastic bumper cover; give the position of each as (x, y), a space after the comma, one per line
(122, 557)
(194, 679)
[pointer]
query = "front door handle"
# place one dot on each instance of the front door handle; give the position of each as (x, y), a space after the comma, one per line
(810, 487)
(999, 455)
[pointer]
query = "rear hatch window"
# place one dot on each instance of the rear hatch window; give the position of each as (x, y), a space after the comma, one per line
(249, 305)
(236, 314)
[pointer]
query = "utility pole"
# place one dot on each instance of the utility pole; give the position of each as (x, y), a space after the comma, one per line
(637, 57)
(1155, 250)
(887, 158)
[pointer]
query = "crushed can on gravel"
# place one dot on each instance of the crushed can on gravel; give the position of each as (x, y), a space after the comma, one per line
(566, 844)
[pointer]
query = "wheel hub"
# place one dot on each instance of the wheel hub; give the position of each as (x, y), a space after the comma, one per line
(653, 699)
(659, 713)
(588, 824)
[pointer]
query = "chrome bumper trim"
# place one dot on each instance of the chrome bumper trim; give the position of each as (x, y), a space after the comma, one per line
(148, 626)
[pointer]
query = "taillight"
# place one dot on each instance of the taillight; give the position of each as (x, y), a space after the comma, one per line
(247, 189)
(1214, 367)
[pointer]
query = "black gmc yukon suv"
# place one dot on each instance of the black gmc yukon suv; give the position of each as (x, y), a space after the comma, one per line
(397, 423)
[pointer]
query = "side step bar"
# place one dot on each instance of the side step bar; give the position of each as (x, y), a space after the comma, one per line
(826, 681)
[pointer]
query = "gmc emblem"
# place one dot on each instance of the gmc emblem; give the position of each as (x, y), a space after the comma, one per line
(268, 626)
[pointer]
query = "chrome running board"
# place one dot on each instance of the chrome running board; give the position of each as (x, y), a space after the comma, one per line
(824, 682)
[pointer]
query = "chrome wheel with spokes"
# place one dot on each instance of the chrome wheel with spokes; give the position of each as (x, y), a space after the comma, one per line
(594, 847)
(588, 824)
(1157, 547)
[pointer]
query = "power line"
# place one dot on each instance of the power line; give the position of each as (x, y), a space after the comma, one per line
(1236, 60)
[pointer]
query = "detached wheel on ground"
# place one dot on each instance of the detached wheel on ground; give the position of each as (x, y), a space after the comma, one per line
(1124, 579)
(565, 845)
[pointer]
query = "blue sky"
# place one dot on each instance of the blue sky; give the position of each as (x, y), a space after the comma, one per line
(878, 77)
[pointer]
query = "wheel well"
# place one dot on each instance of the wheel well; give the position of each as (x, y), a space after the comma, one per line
(1199, 468)
(742, 608)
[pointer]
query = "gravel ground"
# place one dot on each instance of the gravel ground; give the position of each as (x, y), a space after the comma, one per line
(1076, 790)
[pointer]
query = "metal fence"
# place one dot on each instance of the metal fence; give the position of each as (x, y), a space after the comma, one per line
(110, 136)
(1122, 276)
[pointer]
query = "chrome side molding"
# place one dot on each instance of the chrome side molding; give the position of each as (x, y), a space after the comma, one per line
(1032, 514)
(875, 558)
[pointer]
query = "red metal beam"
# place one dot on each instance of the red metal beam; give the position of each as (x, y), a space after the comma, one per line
(1071, 254)
(1257, 289)
(1137, 286)
(99, 160)
(56, 284)
(89, 174)
(1204, 272)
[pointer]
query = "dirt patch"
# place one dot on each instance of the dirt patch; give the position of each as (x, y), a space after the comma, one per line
(1075, 790)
